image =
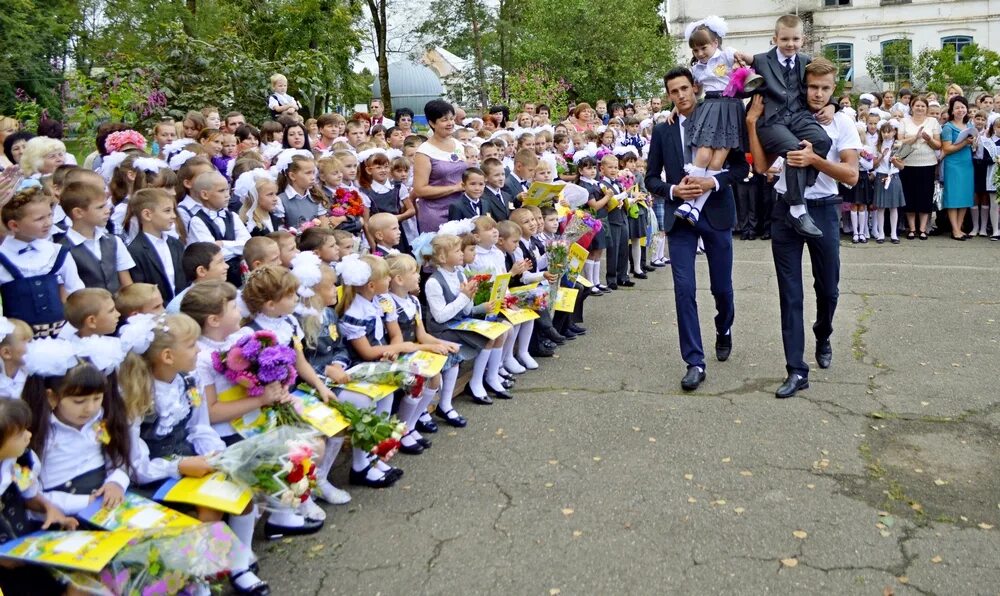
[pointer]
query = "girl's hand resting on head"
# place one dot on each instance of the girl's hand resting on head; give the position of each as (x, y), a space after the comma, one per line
(194, 467)
(113, 494)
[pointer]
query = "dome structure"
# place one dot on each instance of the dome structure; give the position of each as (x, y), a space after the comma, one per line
(411, 85)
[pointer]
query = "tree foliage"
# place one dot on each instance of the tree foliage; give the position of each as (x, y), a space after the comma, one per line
(974, 67)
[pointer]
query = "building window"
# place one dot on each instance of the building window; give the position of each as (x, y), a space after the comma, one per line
(835, 3)
(957, 43)
(841, 54)
(897, 58)
(887, 2)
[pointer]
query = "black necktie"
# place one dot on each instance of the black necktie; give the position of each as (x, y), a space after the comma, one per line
(477, 207)
(789, 69)
(27, 248)
(524, 185)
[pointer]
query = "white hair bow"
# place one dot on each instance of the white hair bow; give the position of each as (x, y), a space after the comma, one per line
(353, 271)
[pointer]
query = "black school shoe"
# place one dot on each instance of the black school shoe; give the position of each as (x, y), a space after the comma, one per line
(430, 426)
(310, 526)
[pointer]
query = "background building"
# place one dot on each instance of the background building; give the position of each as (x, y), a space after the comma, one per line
(848, 31)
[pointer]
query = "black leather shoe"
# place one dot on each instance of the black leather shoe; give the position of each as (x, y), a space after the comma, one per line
(824, 354)
(554, 335)
(457, 420)
(483, 401)
(258, 589)
(692, 379)
(568, 335)
(357, 478)
(557, 342)
(414, 449)
(614, 286)
(804, 226)
(723, 347)
(628, 283)
(311, 526)
(647, 268)
(430, 426)
(508, 384)
(640, 276)
(425, 442)
(498, 393)
(765, 236)
(540, 352)
(506, 375)
(792, 385)
(577, 329)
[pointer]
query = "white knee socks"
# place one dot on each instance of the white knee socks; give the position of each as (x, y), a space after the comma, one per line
(636, 257)
(242, 526)
(855, 228)
(508, 360)
(879, 225)
(479, 372)
(448, 379)
(863, 223)
(523, 340)
(975, 220)
(983, 218)
(492, 377)
(994, 215)
(660, 246)
(333, 445)
(893, 223)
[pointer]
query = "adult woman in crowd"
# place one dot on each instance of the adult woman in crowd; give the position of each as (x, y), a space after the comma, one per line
(194, 122)
(8, 126)
(923, 133)
(957, 165)
(500, 114)
(953, 90)
(437, 167)
(404, 120)
(582, 119)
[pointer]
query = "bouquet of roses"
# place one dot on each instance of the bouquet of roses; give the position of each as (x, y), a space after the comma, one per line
(346, 202)
(484, 286)
(398, 374)
(558, 253)
(278, 464)
(375, 433)
(166, 561)
(536, 299)
(254, 362)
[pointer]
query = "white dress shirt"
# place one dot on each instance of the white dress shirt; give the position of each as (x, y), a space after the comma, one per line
(376, 309)
(163, 252)
(123, 259)
(186, 210)
(205, 374)
(441, 310)
(70, 452)
(12, 387)
(843, 137)
(489, 260)
(39, 260)
(198, 232)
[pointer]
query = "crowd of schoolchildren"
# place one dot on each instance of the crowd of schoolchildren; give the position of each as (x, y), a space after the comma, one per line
(122, 276)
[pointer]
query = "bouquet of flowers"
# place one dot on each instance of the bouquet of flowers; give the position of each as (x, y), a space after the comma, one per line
(558, 253)
(536, 299)
(312, 223)
(484, 286)
(166, 561)
(375, 433)
(399, 374)
(278, 464)
(255, 361)
(346, 202)
(581, 227)
(627, 180)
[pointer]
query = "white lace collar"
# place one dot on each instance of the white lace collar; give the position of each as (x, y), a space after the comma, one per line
(171, 403)
(282, 327)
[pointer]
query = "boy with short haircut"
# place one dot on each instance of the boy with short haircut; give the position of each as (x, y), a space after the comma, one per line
(91, 311)
(470, 205)
(523, 172)
(322, 242)
(287, 248)
(384, 228)
(489, 150)
(356, 134)
(35, 273)
(138, 298)
(345, 242)
(102, 259)
(280, 103)
(202, 261)
(156, 253)
(14, 337)
(259, 251)
(787, 120)
(498, 203)
(214, 222)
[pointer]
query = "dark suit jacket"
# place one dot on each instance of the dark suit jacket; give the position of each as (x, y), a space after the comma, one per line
(148, 268)
(769, 66)
(513, 188)
(461, 209)
(666, 154)
(497, 205)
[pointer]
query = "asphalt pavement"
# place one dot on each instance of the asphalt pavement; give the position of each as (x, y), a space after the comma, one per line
(603, 477)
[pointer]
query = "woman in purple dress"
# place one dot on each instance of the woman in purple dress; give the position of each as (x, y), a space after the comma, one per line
(437, 168)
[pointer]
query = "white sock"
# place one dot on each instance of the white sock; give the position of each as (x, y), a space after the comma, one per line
(661, 246)
(893, 222)
(333, 445)
(587, 269)
(797, 210)
(975, 220)
(409, 409)
(879, 224)
(637, 257)
(854, 223)
(448, 379)
(359, 459)
(493, 378)
(994, 216)
(478, 372)
(242, 526)
(984, 212)
(597, 273)
(287, 518)
(523, 340)
(863, 223)
(426, 397)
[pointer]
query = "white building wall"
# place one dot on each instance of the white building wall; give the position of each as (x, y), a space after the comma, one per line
(865, 24)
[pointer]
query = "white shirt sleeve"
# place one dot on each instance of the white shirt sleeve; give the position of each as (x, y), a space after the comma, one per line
(68, 503)
(234, 248)
(201, 435)
(125, 260)
(199, 232)
(70, 277)
(442, 311)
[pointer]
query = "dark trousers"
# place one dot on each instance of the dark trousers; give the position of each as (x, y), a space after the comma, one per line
(748, 196)
(768, 197)
(782, 135)
(682, 242)
(824, 253)
(617, 260)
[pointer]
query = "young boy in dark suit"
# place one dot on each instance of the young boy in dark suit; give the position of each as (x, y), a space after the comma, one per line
(157, 255)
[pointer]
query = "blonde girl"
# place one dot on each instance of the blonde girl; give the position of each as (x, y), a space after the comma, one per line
(404, 287)
(170, 431)
(258, 194)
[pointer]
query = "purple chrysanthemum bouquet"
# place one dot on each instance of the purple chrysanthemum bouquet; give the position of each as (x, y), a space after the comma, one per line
(254, 362)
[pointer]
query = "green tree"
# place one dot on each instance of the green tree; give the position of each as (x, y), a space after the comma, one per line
(974, 67)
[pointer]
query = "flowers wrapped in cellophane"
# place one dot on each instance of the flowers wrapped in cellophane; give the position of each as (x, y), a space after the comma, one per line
(557, 252)
(581, 226)
(536, 299)
(278, 465)
(168, 562)
(401, 374)
(375, 433)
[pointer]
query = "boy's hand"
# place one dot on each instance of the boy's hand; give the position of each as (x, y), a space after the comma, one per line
(825, 116)
(194, 467)
(113, 494)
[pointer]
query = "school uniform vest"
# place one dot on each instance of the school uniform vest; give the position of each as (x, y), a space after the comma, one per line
(94, 273)
(407, 324)
(329, 346)
(595, 193)
(384, 202)
(233, 275)
(35, 300)
(257, 231)
(616, 217)
(298, 211)
(13, 514)
(175, 442)
(449, 297)
(369, 325)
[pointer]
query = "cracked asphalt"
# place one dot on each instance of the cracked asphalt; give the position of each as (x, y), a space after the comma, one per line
(602, 476)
